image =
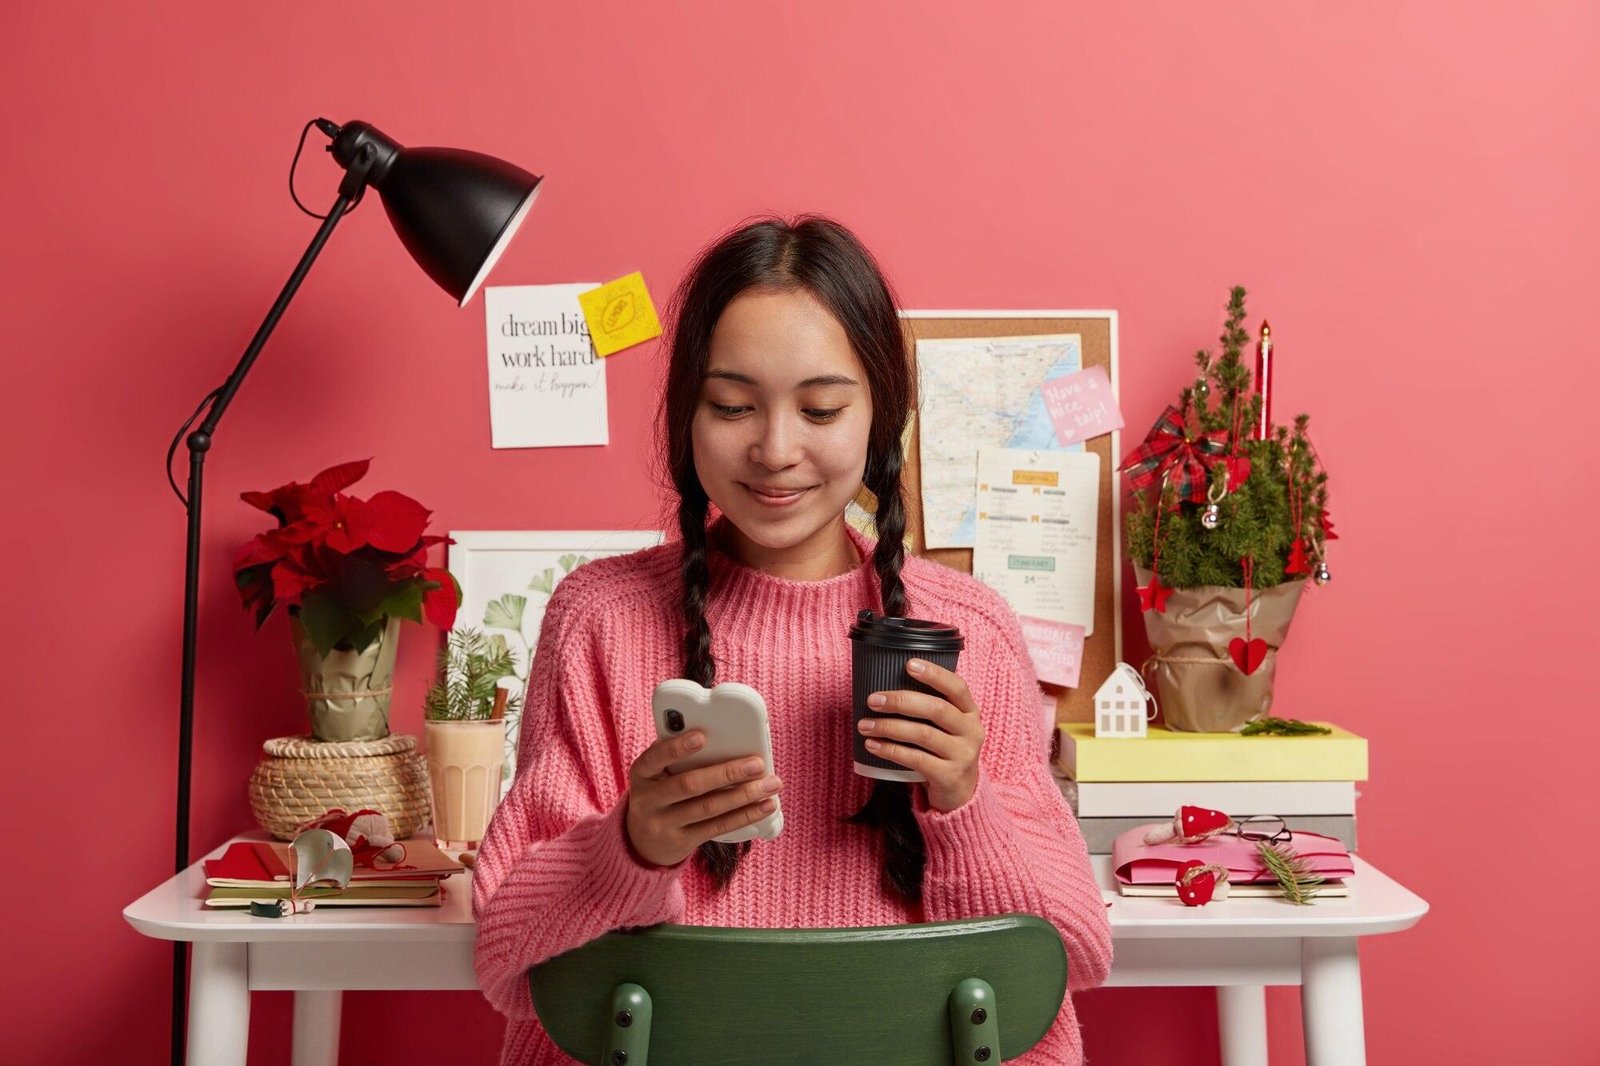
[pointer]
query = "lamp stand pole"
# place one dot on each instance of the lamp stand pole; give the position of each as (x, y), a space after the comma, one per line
(199, 443)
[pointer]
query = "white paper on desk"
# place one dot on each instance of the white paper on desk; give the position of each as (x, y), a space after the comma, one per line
(1037, 525)
(547, 389)
(981, 392)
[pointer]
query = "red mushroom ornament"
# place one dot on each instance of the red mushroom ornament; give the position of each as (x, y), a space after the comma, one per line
(1199, 883)
(1190, 825)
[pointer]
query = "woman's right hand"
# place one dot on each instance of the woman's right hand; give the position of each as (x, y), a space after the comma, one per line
(670, 815)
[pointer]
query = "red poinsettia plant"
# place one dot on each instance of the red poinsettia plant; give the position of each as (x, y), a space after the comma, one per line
(343, 565)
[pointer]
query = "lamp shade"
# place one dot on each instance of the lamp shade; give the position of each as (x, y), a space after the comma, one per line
(455, 211)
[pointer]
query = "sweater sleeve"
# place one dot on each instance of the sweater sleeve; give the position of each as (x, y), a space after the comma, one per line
(1014, 847)
(555, 870)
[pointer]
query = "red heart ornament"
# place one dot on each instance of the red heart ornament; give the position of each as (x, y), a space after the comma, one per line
(1195, 890)
(1247, 656)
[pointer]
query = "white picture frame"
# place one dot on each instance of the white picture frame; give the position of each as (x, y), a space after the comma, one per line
(507, 577)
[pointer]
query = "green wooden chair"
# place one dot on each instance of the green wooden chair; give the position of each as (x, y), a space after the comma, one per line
(979, 990)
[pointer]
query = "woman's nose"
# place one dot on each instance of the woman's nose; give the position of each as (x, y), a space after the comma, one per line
(778, 445)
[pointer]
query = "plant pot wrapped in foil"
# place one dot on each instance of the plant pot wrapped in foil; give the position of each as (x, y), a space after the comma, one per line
(347, 692)
(1200, 688)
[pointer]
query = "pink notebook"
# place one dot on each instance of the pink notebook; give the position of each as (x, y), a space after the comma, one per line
(1138, 863)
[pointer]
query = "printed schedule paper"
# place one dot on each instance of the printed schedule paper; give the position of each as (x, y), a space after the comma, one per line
(547, 388)
(1037, 518)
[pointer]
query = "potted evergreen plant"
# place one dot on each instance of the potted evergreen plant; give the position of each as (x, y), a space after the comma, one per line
(465, 725)
(1229, 520)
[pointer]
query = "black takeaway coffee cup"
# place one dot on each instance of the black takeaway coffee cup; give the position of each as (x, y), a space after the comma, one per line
(881, 647)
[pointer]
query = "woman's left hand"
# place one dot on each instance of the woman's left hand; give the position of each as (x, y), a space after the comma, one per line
(949, 733)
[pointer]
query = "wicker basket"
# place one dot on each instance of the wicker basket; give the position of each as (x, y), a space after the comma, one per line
(299, 779)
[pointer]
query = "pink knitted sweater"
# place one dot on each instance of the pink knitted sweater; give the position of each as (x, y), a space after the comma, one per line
(555, 869)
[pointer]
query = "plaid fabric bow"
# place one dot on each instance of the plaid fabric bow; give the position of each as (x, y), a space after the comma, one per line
(1167, 450)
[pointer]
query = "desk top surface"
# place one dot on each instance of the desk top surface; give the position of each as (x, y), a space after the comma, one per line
(1376, 904)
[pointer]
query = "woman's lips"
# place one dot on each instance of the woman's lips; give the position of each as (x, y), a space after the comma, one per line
(775, 497)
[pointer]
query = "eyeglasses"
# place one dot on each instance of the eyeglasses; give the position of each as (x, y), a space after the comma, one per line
(1267, 827)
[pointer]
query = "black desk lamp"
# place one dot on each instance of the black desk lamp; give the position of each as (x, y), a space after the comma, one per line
(455, 212)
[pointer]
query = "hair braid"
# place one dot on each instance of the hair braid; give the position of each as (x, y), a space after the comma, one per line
(888, 809)
(717, 859)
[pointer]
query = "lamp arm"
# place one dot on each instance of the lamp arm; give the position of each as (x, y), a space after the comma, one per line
(199, 443)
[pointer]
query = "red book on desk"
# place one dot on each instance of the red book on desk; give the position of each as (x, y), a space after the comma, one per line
(266, 862)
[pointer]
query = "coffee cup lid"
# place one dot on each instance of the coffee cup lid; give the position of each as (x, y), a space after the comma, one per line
(907, 634)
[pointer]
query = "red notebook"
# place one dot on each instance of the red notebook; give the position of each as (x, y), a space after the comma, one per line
(248, 860)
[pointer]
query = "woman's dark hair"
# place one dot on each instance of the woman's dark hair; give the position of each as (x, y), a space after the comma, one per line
(824, 259)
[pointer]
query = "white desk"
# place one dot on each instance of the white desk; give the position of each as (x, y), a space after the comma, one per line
(1237, 945)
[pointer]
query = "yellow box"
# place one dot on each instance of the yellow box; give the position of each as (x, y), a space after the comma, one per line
(1169, 755)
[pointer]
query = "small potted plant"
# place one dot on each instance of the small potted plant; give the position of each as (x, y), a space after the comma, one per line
(348, 571)
(1230, 520)
(464, 719)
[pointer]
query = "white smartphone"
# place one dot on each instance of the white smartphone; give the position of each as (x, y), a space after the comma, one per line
(733, 718)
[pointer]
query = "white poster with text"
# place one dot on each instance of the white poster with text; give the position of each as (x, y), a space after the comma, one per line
(547, 389)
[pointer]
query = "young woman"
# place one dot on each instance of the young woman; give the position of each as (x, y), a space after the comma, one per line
(788, 388)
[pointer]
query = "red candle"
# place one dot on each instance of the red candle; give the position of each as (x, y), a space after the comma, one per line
(1264, 380)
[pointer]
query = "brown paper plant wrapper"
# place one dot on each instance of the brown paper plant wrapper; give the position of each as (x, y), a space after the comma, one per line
(1200, 688)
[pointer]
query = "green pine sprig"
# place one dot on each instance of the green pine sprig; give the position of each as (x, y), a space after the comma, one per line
(1294, 875)
(1282, 727)
(470, 668)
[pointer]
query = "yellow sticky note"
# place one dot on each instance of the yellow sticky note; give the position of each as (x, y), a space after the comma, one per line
(620, 314)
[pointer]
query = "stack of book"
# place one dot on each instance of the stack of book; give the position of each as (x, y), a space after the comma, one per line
(1116, 783)
(260, 870)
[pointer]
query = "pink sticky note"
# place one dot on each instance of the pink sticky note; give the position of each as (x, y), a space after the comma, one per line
(1057, 649)
(1081, 405)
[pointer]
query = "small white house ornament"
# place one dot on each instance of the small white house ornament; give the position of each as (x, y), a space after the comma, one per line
(1119, 704)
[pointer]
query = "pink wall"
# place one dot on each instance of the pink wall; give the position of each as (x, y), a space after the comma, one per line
(1408, 190)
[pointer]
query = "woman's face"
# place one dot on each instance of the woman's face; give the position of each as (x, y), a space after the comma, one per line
(780, 435)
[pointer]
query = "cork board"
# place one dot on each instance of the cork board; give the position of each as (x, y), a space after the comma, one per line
(1098, 329)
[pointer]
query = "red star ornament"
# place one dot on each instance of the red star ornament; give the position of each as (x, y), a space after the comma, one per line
(1154, 595)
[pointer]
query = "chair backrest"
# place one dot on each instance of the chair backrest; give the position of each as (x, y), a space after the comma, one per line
(982, 990)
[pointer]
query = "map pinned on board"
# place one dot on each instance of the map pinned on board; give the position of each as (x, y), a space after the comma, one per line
(982, 392)
(620, 314)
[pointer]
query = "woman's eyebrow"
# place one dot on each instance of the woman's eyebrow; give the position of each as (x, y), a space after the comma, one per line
(808, 383)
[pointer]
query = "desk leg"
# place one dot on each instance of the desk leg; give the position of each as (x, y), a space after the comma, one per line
(1330, 1002)
(1242, 1024)
(219, 1003)
(316, 1028)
